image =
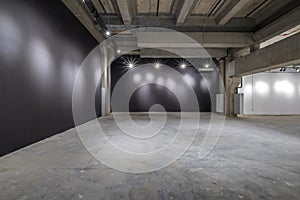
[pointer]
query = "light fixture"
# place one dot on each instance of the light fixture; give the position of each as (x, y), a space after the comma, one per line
(283, 69)
(157, 65)
(183, 65)
(130, 65)
(118, 51)
(107, 33)
(207, 66)
(298, 70)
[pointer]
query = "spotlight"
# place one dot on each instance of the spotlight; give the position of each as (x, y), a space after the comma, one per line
(183, 66)
(107, 33)
(298, 70)
(118, 51)
(130, 65)
(207, 66)
(157, 65)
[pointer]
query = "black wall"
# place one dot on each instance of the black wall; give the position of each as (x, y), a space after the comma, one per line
(147, 95)
(42, 45)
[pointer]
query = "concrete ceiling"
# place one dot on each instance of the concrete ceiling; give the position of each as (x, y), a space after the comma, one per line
(143, 6)
(238, 23)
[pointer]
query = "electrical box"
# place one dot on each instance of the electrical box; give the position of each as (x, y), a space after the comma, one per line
(239, 104)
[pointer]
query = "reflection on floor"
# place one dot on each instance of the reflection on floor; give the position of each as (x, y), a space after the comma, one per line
(255, 158)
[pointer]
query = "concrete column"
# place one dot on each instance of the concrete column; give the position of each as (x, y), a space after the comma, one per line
(110, 59)
(107, 56)
(231, 85)
(105, 93)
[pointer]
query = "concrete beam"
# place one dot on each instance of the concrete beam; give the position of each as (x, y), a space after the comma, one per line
(191, 24)
(79, 10)
(183, 53)
(283, 53)
(209, 40)
(233, 8)
(286, 22)
(124, 11)
(184, 11)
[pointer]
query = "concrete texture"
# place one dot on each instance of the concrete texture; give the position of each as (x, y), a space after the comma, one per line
(255, 158)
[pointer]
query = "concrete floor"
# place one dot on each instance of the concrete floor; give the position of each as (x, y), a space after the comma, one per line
(255, 158)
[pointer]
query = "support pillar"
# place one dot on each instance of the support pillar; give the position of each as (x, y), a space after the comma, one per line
(231, 85)
(107, 57)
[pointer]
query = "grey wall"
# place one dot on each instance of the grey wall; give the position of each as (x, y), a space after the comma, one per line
(42, 46)
(146, 95)
(271, 93)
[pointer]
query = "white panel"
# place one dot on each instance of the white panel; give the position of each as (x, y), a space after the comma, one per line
(271, 94)
(103, 101)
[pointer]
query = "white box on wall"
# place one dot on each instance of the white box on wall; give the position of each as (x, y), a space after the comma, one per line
(239, 104)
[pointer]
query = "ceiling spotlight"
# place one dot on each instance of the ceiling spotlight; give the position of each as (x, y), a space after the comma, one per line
(130, 65)
(206, 66)
(183, 66)
(118, 51)
(157, 65)
(107, 33)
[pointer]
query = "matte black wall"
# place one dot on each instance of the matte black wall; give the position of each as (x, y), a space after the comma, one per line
(41, 47)
(147, 95)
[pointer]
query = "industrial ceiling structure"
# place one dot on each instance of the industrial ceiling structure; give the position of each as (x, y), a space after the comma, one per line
(229, 26)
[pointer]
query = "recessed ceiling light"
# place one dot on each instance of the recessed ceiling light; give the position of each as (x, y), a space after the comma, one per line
(207, 66)
(183, 66)
(118, 51)
(107, 33)
(157, 65)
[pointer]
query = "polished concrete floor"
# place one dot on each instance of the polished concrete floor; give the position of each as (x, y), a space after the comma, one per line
(254, 158)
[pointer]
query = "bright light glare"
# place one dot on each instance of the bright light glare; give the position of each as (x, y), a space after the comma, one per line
(207, 66)
(262, 87)
(130, 65)
(183, 66)
(157, 65)
(107, 33)
(119, 51)
(284, 87)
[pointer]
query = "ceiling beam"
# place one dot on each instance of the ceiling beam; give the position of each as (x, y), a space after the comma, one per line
(183, 53)
(124, 11)
(280, 54)
(230, 11)
(184, 11)
(192, 23)
(79, 9)
(194, 39)
(284, 23)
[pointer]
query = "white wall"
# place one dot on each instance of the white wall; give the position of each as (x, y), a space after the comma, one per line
(271, 94)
